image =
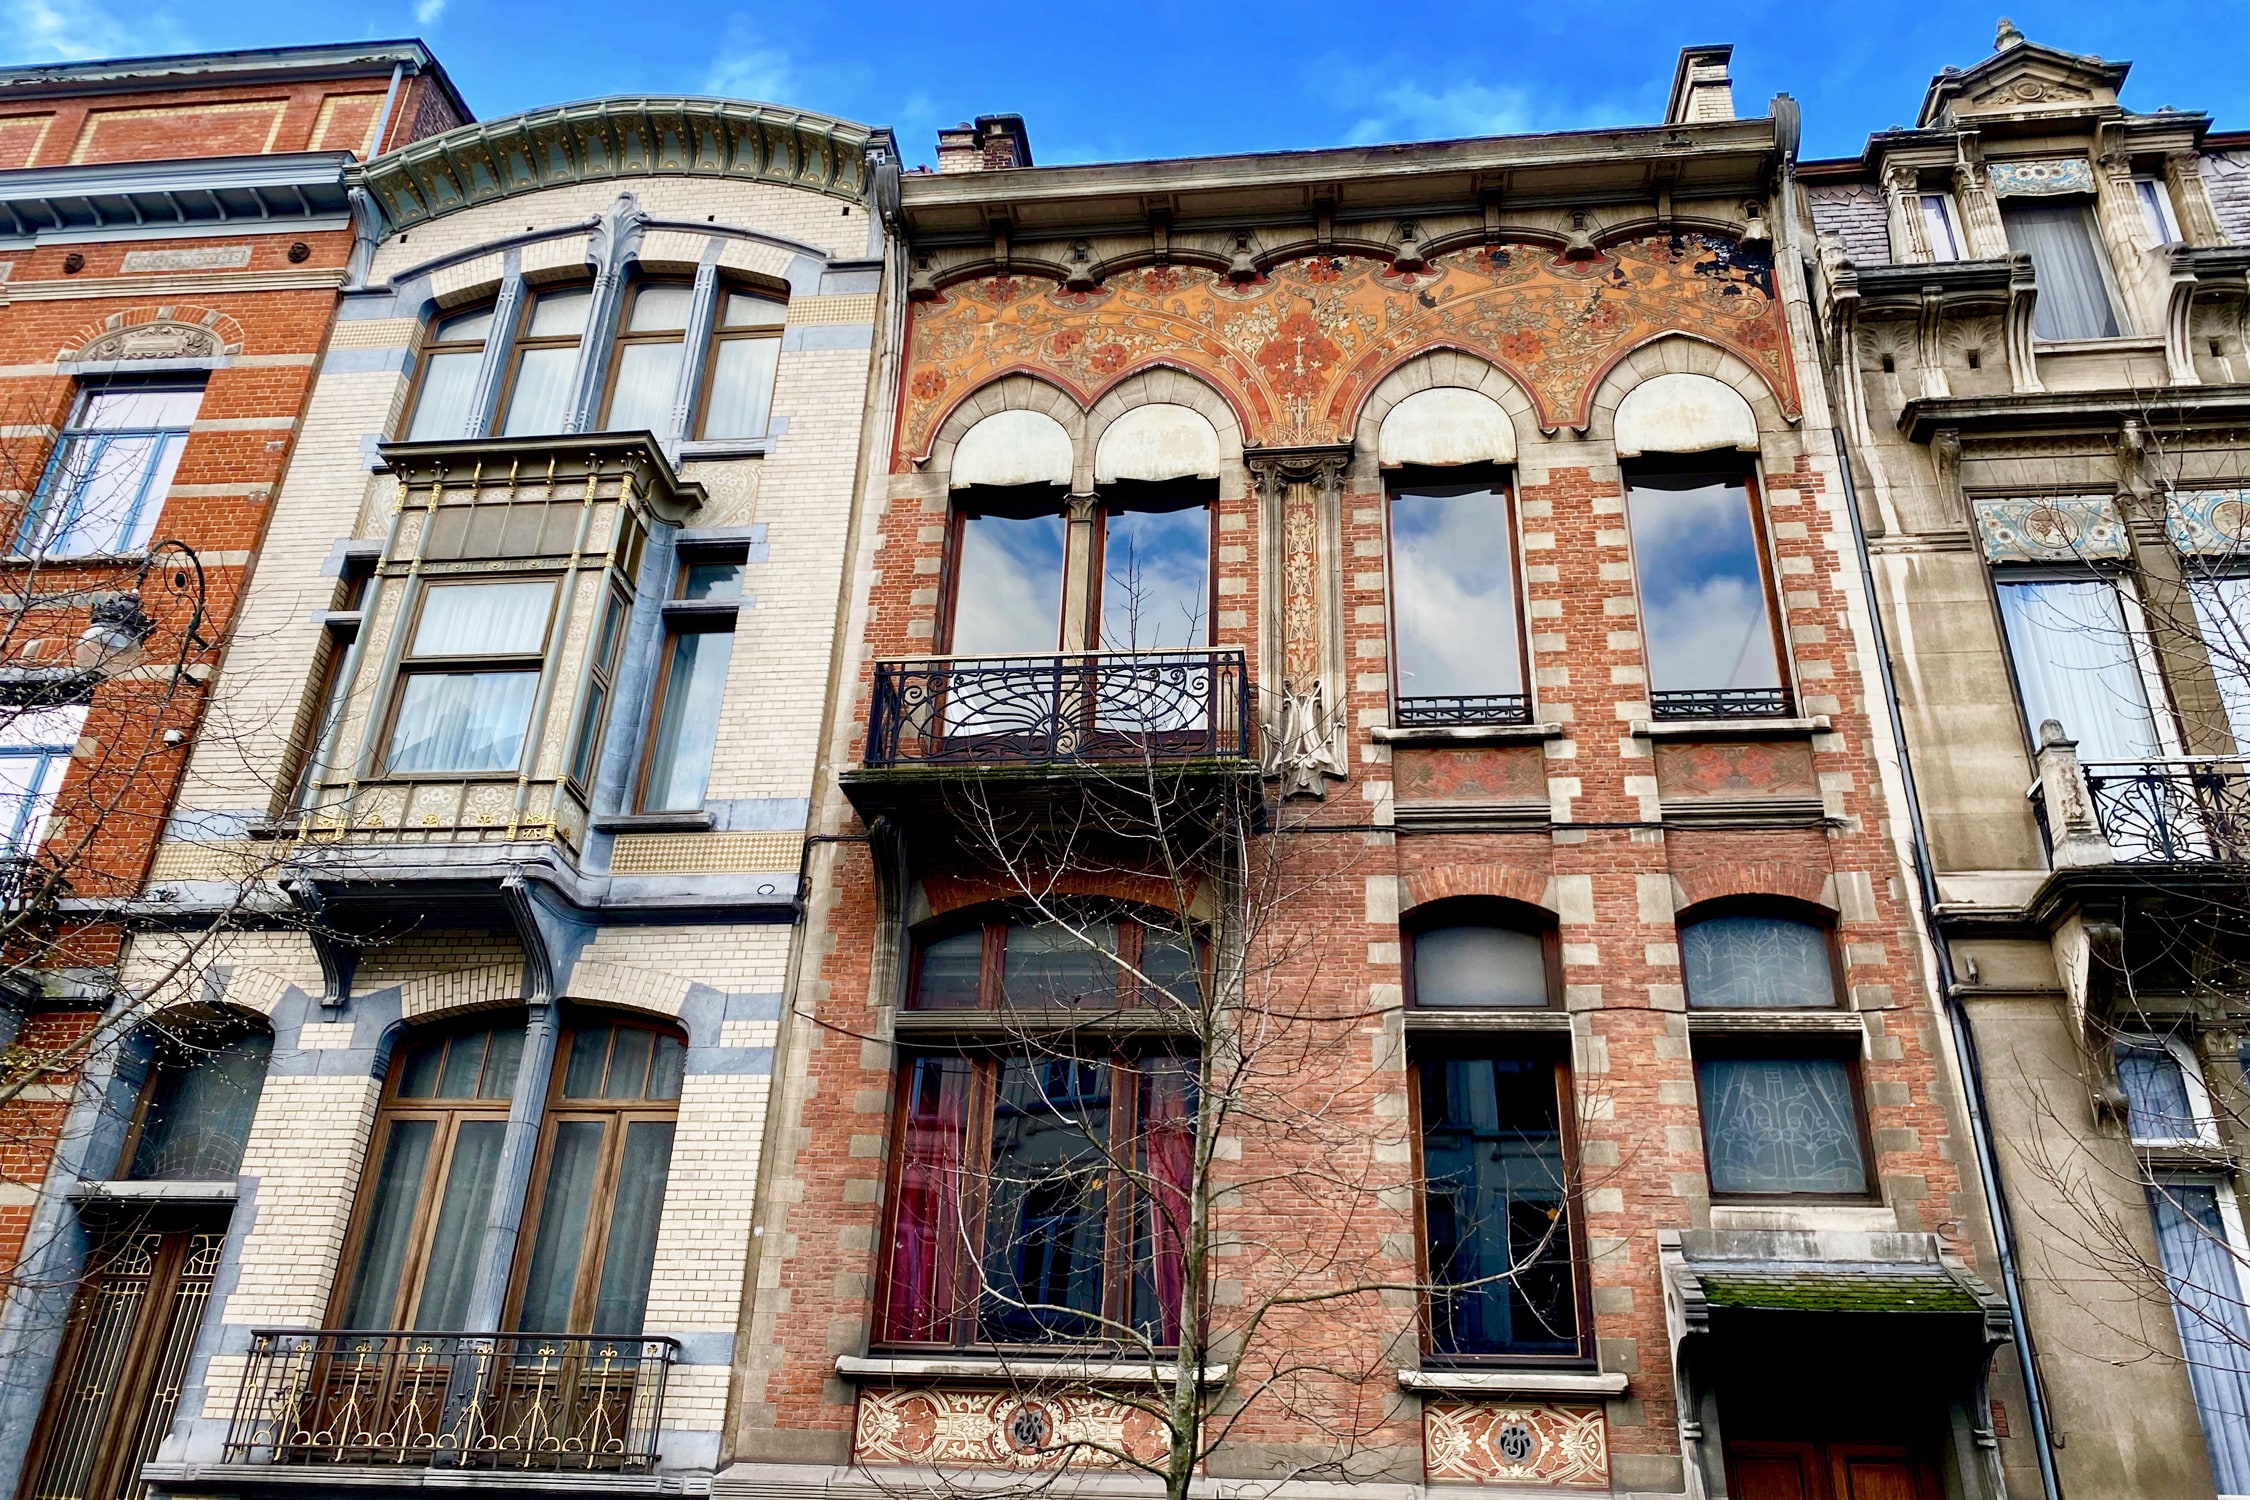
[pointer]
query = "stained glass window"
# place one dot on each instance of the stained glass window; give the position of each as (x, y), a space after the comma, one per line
(1781, 1125)
(1756, 963)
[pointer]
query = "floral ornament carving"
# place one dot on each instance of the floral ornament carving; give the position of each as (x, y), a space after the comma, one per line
(1474, 1442)
(975, 1429)
(1297, 346)
(2209, 523)
(161, 338)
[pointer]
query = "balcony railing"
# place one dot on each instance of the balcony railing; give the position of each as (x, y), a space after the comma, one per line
(2180, 809)
(1463, 710)
(1086, 707)
(547, 1402)
(1721, 703)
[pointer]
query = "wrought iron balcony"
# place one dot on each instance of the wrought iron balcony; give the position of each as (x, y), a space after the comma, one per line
(1463, 710)
(2183, 809)
(1720, 703)
(1105, 707)
(546, 1402)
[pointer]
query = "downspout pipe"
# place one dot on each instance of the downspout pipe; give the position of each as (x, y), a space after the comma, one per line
(1964, 1037)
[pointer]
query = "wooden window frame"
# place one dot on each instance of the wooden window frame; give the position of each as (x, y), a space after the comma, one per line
(682, 616)
(410, 665)
(1483, 911)
(994, 922)
(1554, 1051)
(1097, 560)
(720, 334)
(1800, 1046)
(424, 356)
(1498, 479)
(522, 340)
(586, 740)
(236, 1027)
(390, 1109)
(1720, 463)
(622, 339)
(617, 1115)
(1011, 504)
(1779, 908)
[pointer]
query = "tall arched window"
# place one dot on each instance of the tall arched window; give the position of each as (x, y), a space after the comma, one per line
(205, 1071)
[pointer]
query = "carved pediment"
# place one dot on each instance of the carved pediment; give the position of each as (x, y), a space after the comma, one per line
(2022, 76)
(161, 339)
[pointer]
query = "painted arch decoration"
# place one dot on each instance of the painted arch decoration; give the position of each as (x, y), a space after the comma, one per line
(1298, 349)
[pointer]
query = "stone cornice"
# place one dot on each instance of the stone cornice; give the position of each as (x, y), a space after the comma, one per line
(607, 139)
(2076, 411)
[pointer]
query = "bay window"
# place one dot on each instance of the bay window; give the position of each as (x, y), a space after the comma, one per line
(113, 462)
(644, 371)
(2066, 257)
(1708, 623)
(469, 677)
(601, 675)
(545, 361)
(691, 682)
(1456, 635)
(2077, 662)
(745, 348)
(445, 394)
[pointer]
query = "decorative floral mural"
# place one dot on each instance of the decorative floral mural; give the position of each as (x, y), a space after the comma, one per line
(1298, 349)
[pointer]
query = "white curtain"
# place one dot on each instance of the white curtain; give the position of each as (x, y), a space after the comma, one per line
(542, 390)
(2073, 296)
(483, 619)
(2222, 610)
(647, 375)
(2075, 664)
(448, 384)
(2202, 1268)
(462, 721)
(741, 388)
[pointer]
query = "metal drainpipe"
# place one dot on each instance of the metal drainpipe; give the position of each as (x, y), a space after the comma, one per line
(1964, 1039)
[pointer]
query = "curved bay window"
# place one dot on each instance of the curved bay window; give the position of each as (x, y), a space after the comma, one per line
(1781, 1112)
(606, 1152)
(428, 1189)
(1708, 622)
(469, 677)
(1457, 645)
(204, 1073)
(1498, 1220)
(445, 395)
(1475, 954)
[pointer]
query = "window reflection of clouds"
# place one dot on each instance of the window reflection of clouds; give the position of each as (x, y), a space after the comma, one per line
(1156, 584)
(1009, 589)
(1703, 603)
(1455, 594)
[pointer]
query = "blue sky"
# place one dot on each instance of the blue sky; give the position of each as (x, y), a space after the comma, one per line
(1100, 81)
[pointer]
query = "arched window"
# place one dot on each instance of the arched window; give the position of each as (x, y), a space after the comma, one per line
(1475, 954)
(604, 1158)
(1756, 960)
(428, 1185)
(1014, 960)
(205, 1071)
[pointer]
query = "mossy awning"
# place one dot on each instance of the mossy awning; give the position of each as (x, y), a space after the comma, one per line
(1890, 1290)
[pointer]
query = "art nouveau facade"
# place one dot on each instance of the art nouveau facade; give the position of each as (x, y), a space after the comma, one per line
(2033, 312)
(1477, 507)
(523, 714)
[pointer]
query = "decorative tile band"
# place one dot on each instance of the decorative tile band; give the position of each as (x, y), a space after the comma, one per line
(849, 307)
(703, 853)
(2206, 523)
(1001, 1429)
(2041, 179)
(1482, 1442)
(2050, 530)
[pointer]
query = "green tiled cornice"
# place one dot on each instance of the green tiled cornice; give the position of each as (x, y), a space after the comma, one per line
(613, 138)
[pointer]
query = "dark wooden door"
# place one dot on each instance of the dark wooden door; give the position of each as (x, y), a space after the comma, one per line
(1829, 1471)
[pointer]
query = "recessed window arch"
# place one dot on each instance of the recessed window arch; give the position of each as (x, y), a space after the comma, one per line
(202, 1070)
(1753, 954)
(1481, 953)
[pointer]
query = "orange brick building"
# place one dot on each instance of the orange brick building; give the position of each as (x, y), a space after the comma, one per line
(1464, 526)
(173, 235)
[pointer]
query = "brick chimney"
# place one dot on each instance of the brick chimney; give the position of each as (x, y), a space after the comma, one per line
(1701, 89)
(993, 142)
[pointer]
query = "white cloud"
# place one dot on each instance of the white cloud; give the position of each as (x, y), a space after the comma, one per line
(1406, 111)
(751, 72)
(46, 31)
(427, 12)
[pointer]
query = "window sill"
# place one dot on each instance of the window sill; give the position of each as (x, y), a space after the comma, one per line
(221, 1191)
(696, 821)
(706, 449)
(1774, 1022)
(2154, 343)
(1731, 729)
(1580, 1384)
(1023, 1021)
(1498, 1018)
(1467, 734)
(1006, 1371)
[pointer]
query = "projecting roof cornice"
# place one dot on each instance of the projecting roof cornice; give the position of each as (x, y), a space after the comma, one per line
(249, 193)
(605, 139)
(2077, 411)
(1577, 169)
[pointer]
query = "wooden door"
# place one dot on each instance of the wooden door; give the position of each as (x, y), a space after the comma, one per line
(1829, 1471)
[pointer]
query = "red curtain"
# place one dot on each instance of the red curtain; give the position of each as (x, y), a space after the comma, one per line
(1168, 1159)
(926, 1234)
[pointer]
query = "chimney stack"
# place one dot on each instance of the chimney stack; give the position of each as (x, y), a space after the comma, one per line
(992, 143)
(1701, 89)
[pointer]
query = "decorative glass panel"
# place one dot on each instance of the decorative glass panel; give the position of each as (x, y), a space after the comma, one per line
(2159, 1110)
(1051, 966)
(1045, 1231)
(950, 972)
(741, 388)
(2075, 663)
(1496, 1203)
(2073, 292)
(1704, 615)
(1008, 588)
(1756, 963)
(1479, 966)
(2203, 1266)
(687, 727)
(201, 1100)
(462, 721)
(1156, 579)
(1781, 1125)
(1453, 591)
